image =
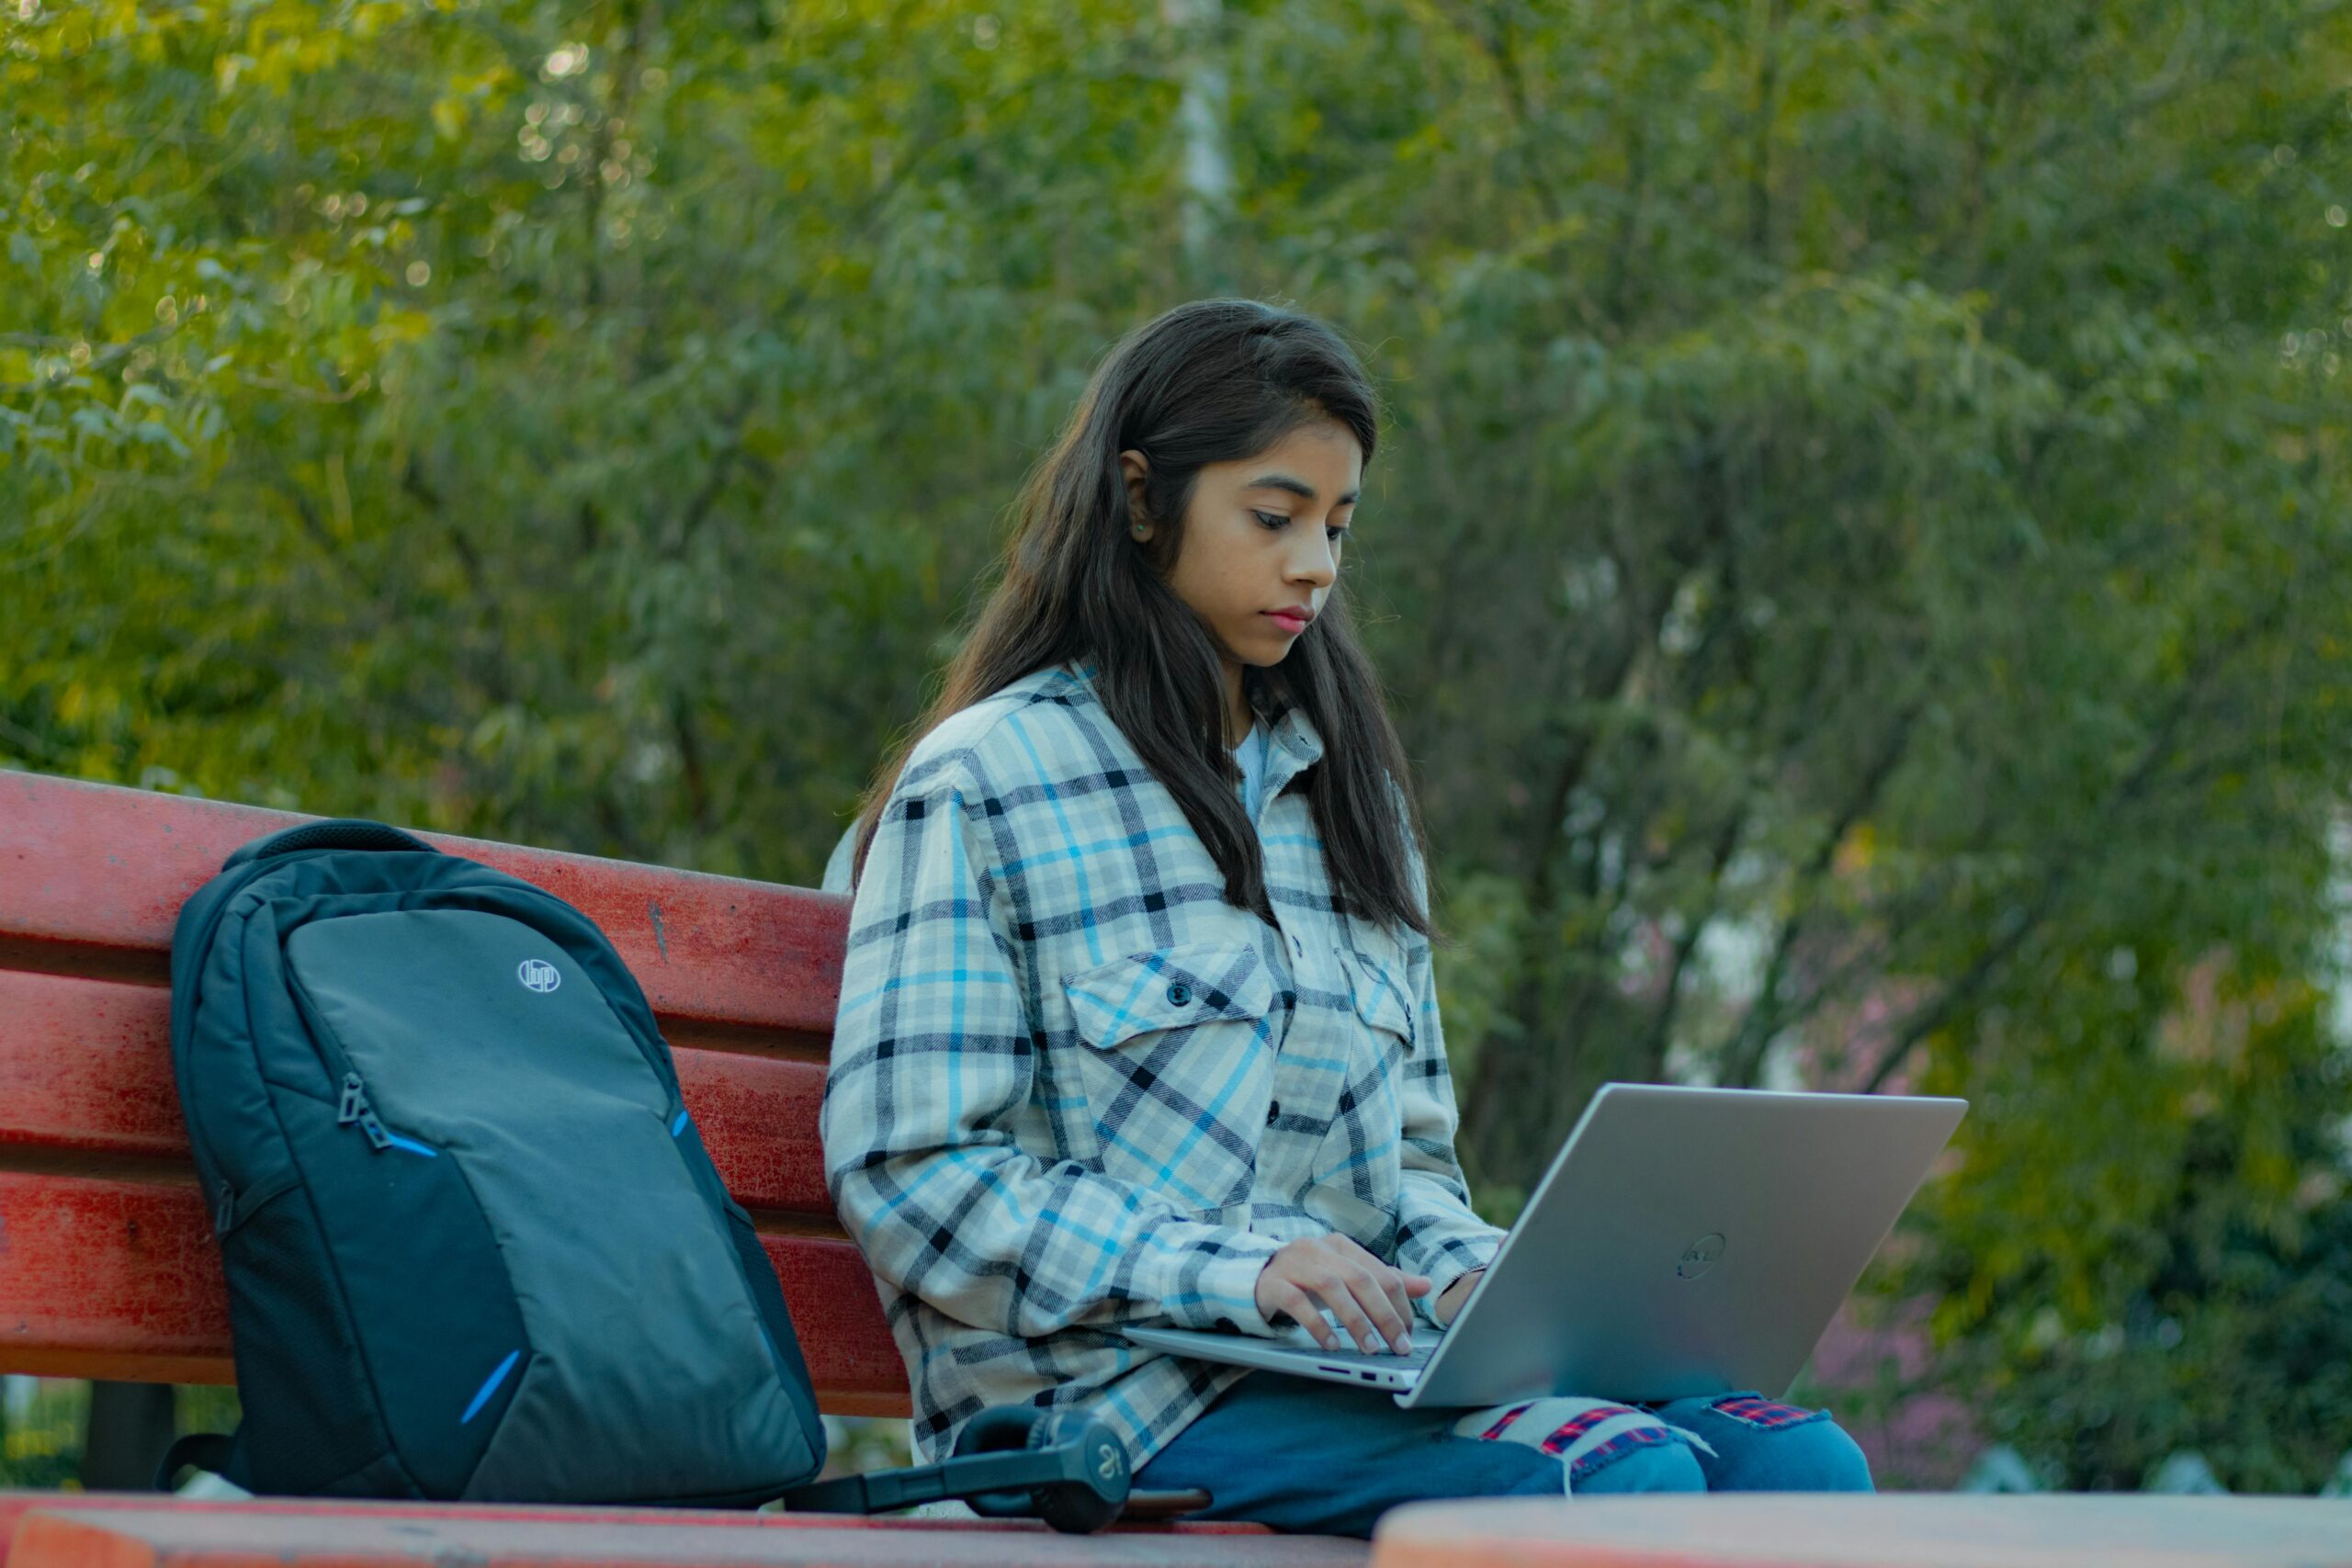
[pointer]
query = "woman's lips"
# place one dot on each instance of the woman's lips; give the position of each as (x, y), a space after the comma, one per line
(1293, 624)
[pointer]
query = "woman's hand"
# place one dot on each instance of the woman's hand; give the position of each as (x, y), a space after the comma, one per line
(1450, 1302)
(1372, 1300)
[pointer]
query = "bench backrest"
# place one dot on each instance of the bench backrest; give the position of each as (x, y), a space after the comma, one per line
(108, 1265)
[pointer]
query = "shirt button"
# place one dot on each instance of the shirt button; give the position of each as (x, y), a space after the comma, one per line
(1274, 1112)
(1180, 995)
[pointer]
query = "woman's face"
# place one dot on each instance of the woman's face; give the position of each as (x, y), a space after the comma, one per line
(1264, 535)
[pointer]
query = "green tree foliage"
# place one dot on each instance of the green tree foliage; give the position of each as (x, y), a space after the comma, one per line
(1860, 558)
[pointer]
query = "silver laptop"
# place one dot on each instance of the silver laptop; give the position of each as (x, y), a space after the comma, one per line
(1685, 1241)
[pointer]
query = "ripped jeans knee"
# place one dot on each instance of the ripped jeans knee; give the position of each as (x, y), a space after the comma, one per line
(1731, 1442)
(1602, 1447)
(1763, 1445)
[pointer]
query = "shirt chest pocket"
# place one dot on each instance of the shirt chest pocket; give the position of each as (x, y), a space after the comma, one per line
(1360, 1161)
(1384, 1001)
(1175, 1053)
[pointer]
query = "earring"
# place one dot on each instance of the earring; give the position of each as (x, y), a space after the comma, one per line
(1139, 530)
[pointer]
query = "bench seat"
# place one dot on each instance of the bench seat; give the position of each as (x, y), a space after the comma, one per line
(1758, 1530)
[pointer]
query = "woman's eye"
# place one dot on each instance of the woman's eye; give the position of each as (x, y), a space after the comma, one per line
(1276, 520)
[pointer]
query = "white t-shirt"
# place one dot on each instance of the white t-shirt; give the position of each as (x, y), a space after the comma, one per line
(1251, 755)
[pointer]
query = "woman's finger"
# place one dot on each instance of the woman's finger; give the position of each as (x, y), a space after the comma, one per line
(1337, 1295)
(1396, 1322)
(1292, 1299)
(1372, 1287)
(1392, 1284)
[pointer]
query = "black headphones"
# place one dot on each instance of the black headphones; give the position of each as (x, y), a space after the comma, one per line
(1012, 1461)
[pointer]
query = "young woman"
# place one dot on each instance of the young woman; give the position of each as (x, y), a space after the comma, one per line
(1138, 1023)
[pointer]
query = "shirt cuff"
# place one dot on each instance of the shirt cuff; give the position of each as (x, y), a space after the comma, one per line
(1222, 1292)
(1443, 1275)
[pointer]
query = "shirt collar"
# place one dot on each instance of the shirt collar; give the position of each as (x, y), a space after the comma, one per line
(1296, 745)
(1294, 736)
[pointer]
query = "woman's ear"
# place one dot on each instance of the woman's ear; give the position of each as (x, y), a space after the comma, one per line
(1134, 467)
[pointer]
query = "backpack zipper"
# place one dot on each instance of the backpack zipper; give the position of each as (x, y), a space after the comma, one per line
(354, 1109)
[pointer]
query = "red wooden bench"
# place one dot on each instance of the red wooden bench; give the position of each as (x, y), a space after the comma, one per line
(107, 1266)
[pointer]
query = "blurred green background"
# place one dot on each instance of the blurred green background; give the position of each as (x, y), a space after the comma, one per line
(1859, 552)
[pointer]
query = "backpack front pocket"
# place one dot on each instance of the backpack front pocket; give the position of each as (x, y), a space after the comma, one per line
(1177, 1066)
(434, 1317)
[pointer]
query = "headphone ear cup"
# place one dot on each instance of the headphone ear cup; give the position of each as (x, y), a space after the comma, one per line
(995, 1430)
(1000, 1426)
(1081, 1507)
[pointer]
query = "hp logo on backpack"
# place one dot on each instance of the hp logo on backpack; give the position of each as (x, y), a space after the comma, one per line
(539, 976)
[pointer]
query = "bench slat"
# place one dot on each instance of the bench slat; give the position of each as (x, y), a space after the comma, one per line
(18, 1508)
(122, 1279)
(92, 877)
(85, 1070)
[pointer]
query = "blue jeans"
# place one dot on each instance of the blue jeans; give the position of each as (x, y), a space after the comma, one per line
(1329, 1460)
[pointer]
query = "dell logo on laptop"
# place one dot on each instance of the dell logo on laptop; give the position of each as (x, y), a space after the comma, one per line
(1699, 1257)
(539, 976)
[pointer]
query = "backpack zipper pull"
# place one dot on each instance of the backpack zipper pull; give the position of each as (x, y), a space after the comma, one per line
(355, 1108)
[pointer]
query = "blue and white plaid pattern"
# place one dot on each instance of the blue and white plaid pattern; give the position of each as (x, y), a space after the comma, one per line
(1073, 1088)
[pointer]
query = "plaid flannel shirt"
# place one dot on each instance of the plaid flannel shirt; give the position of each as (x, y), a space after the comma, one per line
(1073, 1088)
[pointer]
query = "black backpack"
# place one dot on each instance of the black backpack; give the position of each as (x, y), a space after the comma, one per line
(475, 1248)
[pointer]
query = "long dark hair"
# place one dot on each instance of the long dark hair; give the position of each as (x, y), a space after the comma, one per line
(1212, 381)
